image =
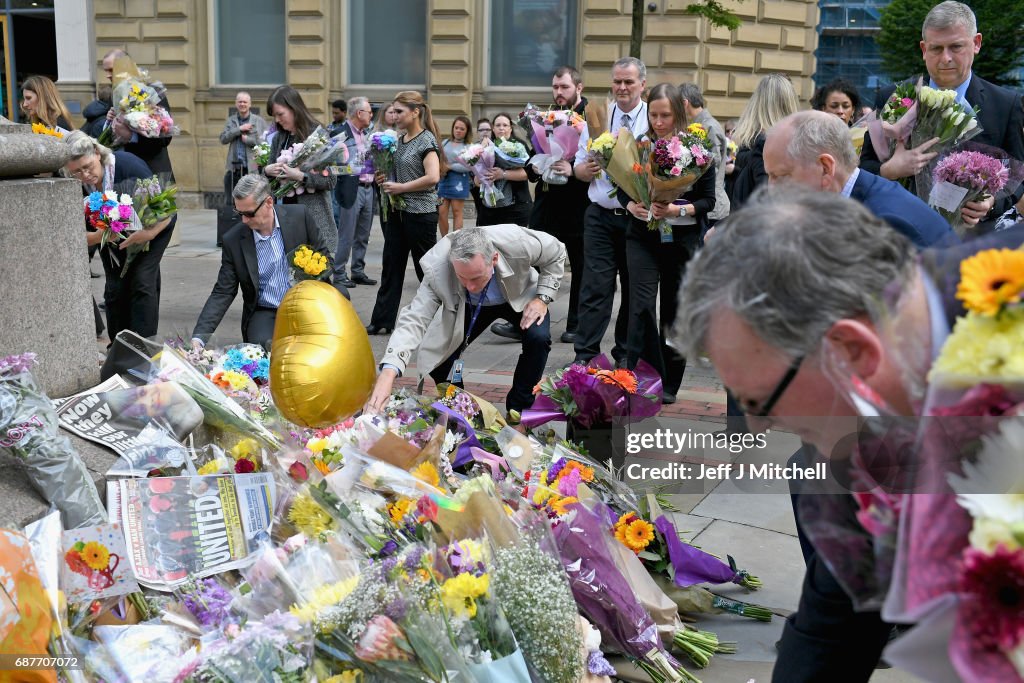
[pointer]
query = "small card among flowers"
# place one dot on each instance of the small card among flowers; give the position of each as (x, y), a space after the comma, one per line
(95, 563)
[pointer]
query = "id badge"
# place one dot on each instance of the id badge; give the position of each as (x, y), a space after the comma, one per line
(455, 374)
(666, 232)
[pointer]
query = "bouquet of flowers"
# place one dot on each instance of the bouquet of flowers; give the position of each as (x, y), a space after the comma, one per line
(481, 159)
(112, 214)
(599, 149)
(316, 154)
(154, 200)
(306, 264)
(594, 394)
(964, 177)
(939, 115)
(43, 129)
(261, 153)
(137, 105)
(556, 136)
(510, 154)
(899, 115)
(383, 146)
(29, 432)
(627, 167)
(676, 163)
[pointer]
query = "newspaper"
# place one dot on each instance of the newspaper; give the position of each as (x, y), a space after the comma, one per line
(177, 527)
(114, 413)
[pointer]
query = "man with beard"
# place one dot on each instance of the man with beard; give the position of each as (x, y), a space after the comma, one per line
(558, 209)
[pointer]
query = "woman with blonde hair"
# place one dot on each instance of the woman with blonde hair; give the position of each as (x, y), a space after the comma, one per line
(774, 99)
(43, 104)
(412, 223)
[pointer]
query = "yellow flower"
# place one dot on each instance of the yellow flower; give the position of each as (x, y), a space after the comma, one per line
(323, 597)
(460, 593)
(542, 495)
(316, 445)
(399, 509)
(321, 466)
(308, 517)
(620, 534)
(638, 534)
(981, 348)
(426, 472)
(245, 447)
(698, 130)
(95, 555)
(212, 467)
(354, 676)
(561, 505)
(604, 142)
(451, 391)
(988, 533)
(991, 279)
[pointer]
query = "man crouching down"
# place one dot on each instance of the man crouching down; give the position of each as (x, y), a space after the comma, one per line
(475, 276)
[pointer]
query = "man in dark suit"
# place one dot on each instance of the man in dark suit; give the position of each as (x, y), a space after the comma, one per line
(950, 40)
(780, 357)
(254, 258)
(353, 196)
(813, 148)
(151, 150)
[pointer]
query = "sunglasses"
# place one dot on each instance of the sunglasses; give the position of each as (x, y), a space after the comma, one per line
(250, 214)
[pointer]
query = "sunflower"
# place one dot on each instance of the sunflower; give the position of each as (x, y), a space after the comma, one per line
(991, 279)
(426, 472)
(638, 534)
(95, 555)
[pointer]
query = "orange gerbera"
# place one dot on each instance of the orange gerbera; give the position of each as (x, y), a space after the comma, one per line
(561, 505)
(991, 279)
(586, 473)
(638, 534)
(625, 519)
(620, 535)
(624, 379)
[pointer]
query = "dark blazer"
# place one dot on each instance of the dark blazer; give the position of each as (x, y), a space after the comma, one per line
(1001, 116)
(348, 185)
(749, 173)
(905, 212)
(240, 268)
(153, 150)
(559, 209)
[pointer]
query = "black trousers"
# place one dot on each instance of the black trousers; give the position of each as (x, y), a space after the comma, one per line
(404, 234)
(260, 328)
(604, 238)
(655, 265)
(133, 301)
(530, 366)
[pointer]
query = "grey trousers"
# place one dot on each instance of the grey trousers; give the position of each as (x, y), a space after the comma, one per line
(354, 225)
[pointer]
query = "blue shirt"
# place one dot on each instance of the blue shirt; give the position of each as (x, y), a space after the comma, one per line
(273, 270)
(492, 295)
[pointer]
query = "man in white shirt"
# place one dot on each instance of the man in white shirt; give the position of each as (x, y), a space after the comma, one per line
(606, 222)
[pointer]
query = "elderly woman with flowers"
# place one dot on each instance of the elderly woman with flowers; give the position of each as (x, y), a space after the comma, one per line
(132, 293)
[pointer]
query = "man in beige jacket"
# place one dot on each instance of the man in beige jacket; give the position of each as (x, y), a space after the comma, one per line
(471, 278)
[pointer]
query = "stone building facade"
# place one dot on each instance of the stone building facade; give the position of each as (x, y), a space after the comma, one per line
(461, 66)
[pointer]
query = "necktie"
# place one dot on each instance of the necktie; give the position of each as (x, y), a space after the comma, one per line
(624, 121)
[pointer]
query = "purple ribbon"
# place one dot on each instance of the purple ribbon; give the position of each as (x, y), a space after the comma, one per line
(463, 454)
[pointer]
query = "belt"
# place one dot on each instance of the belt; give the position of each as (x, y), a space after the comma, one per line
(617, 212)
(362, 184)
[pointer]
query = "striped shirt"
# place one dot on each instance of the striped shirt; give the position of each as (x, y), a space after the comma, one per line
(273, 269)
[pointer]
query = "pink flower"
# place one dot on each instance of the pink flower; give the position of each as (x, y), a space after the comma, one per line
(906, 101)
(996, 618)
(117, 226)
(381, 640)
(675, 148)
(675, 170)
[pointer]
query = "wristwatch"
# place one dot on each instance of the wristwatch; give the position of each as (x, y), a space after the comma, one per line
(545, 298)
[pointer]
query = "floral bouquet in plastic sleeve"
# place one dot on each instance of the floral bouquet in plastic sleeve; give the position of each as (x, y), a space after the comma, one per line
(675, 164)
(481, 158)
(306, 264)
(29, 432)
(381, 151)
(969, 175)
(555, 135)
(316, 154)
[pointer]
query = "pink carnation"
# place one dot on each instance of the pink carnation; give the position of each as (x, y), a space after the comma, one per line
(973, 170)
(997, 581)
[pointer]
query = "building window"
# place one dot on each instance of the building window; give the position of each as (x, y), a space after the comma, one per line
(388, 42)
(250, 42)
(530, 39)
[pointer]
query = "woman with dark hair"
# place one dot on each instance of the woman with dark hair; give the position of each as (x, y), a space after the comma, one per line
(294, 124)
(454, 186)
(657, 261)
(513, 182)
(412, 227)
(42, 103)
(838, 97)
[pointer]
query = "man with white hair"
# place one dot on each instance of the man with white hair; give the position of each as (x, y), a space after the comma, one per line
(813, 148)
(471, 278)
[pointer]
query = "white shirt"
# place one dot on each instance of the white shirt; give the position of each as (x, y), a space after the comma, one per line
(850, 182)
(600, 186)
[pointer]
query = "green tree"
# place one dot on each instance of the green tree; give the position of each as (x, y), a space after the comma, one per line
(712, 10)
(1000, 22)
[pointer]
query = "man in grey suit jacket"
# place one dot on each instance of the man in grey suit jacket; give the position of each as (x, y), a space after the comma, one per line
(253, 258)
(242, 132)
(471, 278)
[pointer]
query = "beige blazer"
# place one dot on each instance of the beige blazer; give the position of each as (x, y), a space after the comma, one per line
(529, 263)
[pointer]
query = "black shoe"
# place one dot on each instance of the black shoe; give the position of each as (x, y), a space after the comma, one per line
(507, 330)
(94, 275)
(377, 329)
(667, 398)
(568, 337)
(345, 282)
(361, 279)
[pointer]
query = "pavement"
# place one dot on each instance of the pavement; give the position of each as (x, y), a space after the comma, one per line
(752, 524)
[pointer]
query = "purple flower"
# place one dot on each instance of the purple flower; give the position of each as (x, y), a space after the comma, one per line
(390, 548)
(396, 609)
(412, 559)
(209, 602)
(598, 665)
(555, 468)
(18, 363)
(973, 170)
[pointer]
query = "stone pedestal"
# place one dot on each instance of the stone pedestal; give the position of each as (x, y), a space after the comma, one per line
(46, 305)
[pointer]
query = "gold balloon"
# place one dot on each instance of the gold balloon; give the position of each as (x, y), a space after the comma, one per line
(321, 365)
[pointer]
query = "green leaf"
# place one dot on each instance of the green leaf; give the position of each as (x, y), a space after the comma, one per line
(645, 555)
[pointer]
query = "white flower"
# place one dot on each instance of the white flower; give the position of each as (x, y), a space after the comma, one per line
(110, 196)
(959, 118)
(1016, 657)
(998, 470)
(972, 123)
(125, 199)
(988, 533)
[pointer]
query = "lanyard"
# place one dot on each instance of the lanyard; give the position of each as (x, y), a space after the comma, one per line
(476, 314)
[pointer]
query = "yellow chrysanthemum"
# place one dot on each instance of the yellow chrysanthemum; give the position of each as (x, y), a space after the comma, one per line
(561, 504)
(316, 445)
(991, 279)
(698, 130)
(460, 593)
(95, 555)
(426, 472)
(980, 349)
(308, 517)
(323, 597)
(602, 143)
(245, 448)
(399, 509)
(638, 534)
(542, 495)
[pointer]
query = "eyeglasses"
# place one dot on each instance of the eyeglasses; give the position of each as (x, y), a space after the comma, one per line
(85, 168)
(780, 389)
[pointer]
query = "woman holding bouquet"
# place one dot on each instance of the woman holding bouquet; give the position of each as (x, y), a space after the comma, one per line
(412, 223)
(510, 178)
(454, 186)
(658, 258)
(42, 103)
(295, 124)
(133, 301)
